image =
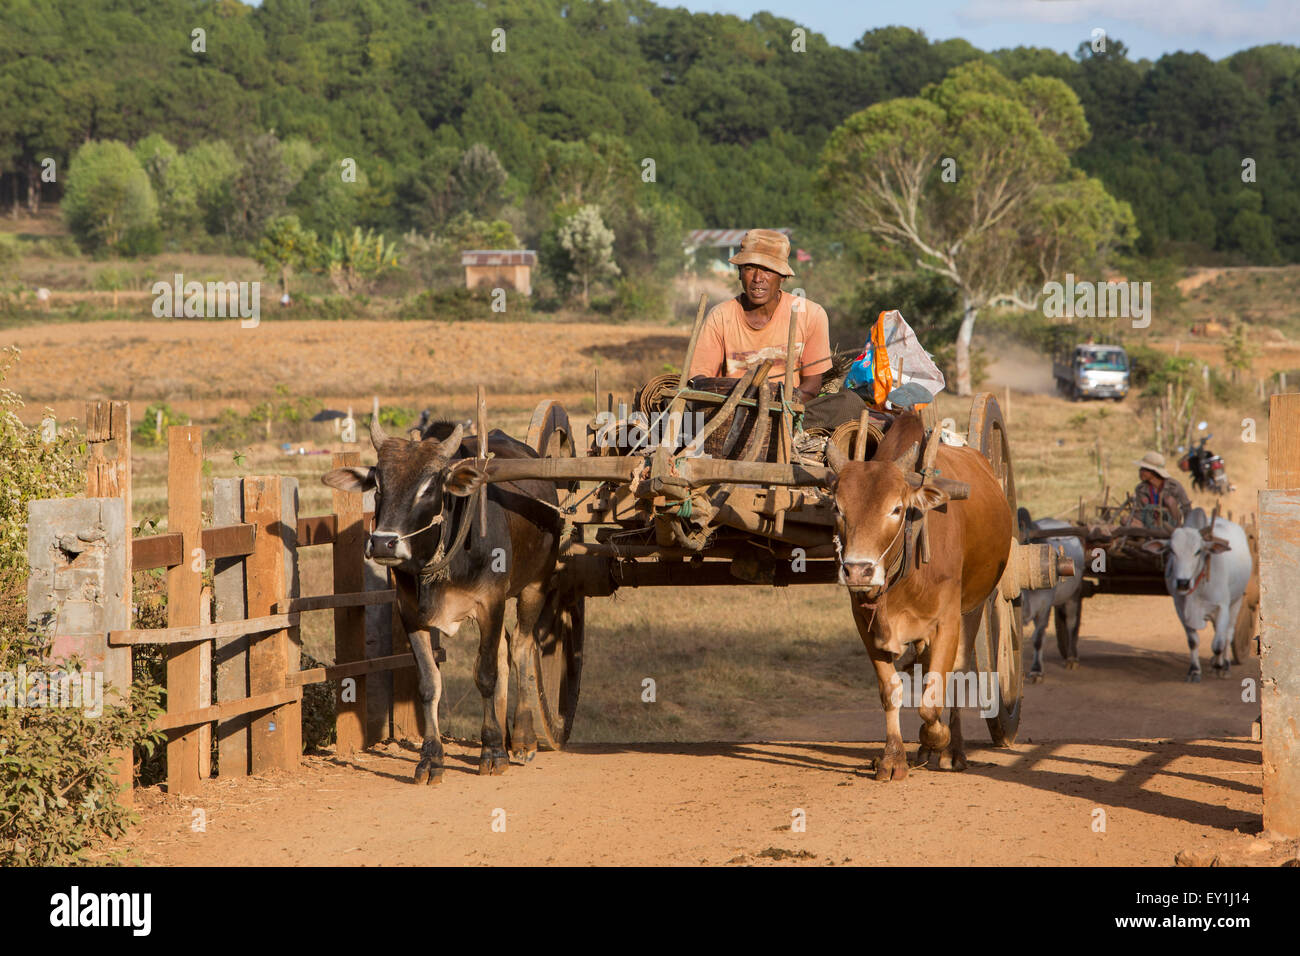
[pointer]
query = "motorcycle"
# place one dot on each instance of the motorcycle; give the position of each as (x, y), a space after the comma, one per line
(1206, 468)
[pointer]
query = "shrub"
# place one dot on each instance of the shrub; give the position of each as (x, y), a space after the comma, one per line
(56, 764)
(458, 304)
(108, 194)
(151, 430)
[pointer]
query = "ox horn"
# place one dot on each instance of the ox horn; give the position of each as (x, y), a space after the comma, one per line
(835, 457)
(906, 462)
(451, 443)
(377, 436)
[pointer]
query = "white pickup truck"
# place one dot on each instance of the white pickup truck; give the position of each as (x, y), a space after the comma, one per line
(1092, 371)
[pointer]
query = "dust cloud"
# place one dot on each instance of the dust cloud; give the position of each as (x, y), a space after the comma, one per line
(1020, 367)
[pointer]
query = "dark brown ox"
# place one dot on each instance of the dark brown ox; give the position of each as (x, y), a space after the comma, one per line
(938, 604)
(427, 531)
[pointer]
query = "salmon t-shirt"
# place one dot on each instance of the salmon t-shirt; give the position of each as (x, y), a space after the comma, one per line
(728, 346)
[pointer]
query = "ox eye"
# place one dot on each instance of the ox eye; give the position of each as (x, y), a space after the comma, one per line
(898, 509)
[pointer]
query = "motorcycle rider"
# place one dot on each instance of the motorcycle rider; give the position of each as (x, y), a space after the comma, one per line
(1158, 491)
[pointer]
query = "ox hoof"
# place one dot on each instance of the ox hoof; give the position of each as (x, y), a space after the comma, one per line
(492, 762)
(1034, 676)
(430, 775)
(1072, 664)
(892, 766)
(1194, 677)
(524, 756)
(952, 759)
(1221, 670)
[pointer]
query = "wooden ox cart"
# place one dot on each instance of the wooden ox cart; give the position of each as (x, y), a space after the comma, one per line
(1119, 558)
(719, 485)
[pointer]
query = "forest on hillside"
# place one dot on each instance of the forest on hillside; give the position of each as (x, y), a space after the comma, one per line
(733, 117)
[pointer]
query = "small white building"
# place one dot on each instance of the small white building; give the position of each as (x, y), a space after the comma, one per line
(499, 269)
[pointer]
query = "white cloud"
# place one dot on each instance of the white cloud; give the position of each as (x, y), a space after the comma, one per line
(1259, 21)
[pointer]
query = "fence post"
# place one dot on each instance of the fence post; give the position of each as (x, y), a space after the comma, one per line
(271, 743)
(184, 589)
(108, 475)
(1279, 607)
(349, 622)
(231, 652)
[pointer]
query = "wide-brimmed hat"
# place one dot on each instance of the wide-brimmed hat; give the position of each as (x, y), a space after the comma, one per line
(1153, 461)
(767, 248)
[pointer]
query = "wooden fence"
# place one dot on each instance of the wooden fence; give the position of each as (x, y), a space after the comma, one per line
(244, 631)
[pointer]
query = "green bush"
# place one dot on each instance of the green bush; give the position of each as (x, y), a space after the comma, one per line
(56, 764)
(458, 304)
(152, 431)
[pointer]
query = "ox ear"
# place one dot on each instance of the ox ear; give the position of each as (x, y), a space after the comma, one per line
(350, 479)
(1217, 546)
(463, 478)
(927, 498)
(1155, 545)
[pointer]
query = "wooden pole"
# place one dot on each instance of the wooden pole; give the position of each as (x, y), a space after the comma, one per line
(349, 622)
(481, 402)
(695, 338)
(231, 652)
(271, 744)
(184, 587)
(1279, 658)
(108, 475)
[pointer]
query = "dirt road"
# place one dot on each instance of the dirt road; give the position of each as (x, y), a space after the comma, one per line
(1119, 762)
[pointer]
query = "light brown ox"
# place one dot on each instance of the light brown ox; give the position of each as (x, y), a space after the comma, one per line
(940, 603)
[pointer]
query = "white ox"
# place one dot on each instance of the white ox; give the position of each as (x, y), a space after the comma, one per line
(1207, 572)
(1066, 599)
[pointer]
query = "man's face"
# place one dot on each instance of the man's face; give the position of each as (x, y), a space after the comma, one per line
(761, 285)
(1150, 477)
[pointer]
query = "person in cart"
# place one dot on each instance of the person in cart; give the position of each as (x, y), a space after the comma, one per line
(753, 327)
(1158, 492)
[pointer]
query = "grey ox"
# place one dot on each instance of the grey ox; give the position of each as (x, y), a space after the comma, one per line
(1066, 599)
(448, 569)
(1207, 571)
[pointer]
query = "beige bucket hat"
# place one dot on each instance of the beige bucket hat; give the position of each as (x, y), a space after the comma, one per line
(767, 248)
(1153, 461)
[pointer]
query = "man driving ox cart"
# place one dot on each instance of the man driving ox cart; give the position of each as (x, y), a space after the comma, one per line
(753, 327)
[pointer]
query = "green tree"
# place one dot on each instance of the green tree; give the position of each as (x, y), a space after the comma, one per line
(590, 245)
(479, 179)
(108, 194)
(210, 166)
(257, 192)
(358, 260)
(286, 246)
(961, 179)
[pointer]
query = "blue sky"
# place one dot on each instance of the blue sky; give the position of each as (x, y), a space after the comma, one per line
(1148, 28)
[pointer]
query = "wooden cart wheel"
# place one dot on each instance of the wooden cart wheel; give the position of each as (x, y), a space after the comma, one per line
(998, 641)
(556, 661)
(550, 435)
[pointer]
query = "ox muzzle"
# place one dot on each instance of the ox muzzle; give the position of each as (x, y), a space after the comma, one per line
(387, 548)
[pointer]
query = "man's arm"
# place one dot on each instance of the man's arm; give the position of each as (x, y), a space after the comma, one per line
(809, 388)
(710, 351)
(815, 360)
